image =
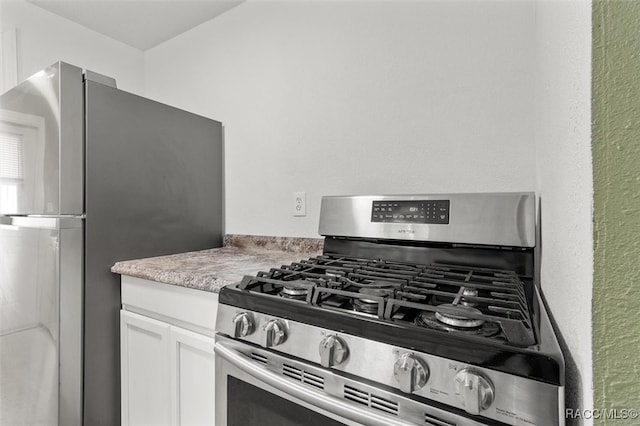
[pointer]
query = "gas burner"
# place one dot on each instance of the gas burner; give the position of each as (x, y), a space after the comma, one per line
(380, 292)
(365, 306)
(370, 306)
(298, 289)
(460, 318)
(465, 297)
(430, 319)
(469, 292)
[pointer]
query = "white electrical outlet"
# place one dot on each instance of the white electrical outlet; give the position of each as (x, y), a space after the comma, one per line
(299, 203)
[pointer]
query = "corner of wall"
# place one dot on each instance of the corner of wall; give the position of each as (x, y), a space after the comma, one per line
(565, 184)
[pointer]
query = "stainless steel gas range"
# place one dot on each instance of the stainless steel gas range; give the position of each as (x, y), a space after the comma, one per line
(422, 310)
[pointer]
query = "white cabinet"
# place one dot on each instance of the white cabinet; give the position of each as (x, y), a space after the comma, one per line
(167, 358)
(144, 366)
(192, 374)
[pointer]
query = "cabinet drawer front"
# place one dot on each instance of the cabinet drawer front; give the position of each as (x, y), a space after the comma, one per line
(188, 308)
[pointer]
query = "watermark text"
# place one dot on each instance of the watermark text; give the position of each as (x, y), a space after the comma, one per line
(602, 413)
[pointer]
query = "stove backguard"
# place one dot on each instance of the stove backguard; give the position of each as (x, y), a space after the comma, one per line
(494, 219)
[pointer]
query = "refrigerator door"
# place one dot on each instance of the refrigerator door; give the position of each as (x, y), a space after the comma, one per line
(40, 320)
(153, 187)
(41, 150)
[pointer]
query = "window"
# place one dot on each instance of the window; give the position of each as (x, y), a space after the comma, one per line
(10, 170)
(22, 150)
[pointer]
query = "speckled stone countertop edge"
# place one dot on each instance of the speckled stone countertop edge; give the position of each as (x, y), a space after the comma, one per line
(211, 269)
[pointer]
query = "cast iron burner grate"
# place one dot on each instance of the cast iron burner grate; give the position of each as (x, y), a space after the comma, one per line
(495, 298)
(468, 300)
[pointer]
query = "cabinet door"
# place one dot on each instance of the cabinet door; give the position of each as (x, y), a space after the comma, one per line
(192, 378)
(144, 346)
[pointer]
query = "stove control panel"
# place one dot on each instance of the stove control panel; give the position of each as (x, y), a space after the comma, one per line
(414, 211)
(477, 390)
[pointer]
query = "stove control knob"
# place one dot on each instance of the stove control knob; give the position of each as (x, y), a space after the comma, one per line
(333, 351)
(274, 333)
(243, 325)
(411, 372)
(474, 390)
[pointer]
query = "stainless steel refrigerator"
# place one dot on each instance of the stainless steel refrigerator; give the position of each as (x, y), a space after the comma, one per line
(89, 175)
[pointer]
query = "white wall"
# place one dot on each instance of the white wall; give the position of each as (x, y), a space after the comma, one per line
(357, 97)
(44, 38)
(565, 181)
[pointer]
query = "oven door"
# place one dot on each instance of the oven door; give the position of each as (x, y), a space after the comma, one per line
(259, 387)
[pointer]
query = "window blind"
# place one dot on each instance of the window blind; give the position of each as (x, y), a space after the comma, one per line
(10, 156)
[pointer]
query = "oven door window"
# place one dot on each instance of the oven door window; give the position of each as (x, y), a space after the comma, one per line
(248, 405)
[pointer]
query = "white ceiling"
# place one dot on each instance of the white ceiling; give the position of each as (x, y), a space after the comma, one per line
(142, 24)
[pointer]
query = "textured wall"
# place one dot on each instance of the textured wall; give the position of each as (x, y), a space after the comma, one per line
(616, 152)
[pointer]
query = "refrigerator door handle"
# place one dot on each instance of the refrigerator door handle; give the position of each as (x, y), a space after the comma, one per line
(41, 222)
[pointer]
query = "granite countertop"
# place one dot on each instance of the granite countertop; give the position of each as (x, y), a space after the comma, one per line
(211, 269)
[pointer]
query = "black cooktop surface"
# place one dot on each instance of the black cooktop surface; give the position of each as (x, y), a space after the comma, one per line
(483, 316)
(456, 299)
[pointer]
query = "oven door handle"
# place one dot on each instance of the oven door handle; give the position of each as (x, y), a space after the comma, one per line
(338, 407)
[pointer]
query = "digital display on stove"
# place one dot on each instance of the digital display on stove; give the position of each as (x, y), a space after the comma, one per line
(415, 211)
